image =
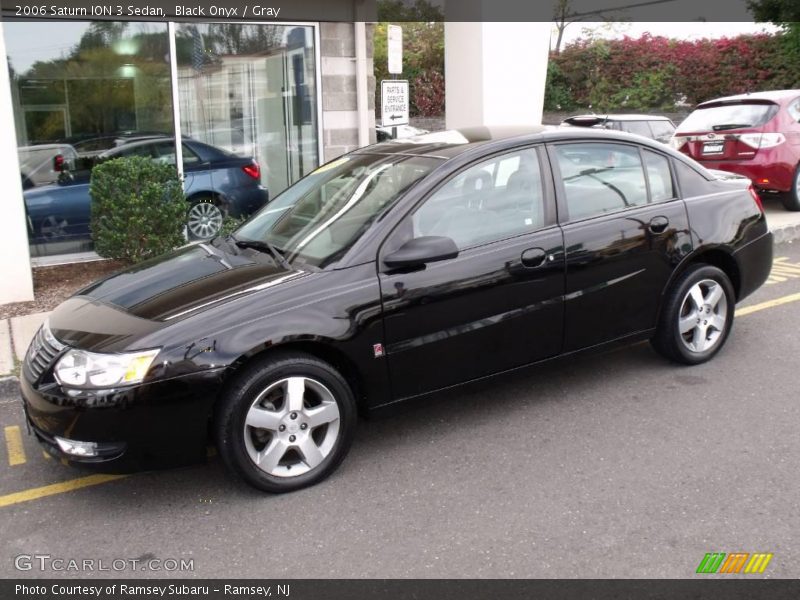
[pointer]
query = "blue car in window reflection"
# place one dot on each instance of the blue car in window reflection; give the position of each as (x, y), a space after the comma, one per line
(217, 183)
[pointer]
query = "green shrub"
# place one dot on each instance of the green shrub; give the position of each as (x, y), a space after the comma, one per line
(231, 224)
(138, 208)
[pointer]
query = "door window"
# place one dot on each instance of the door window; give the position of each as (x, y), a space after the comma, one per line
(495, 199)
(600, 178)
(660, 177)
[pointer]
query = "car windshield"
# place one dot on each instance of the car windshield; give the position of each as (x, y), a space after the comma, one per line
(319, 218)
(728, 116)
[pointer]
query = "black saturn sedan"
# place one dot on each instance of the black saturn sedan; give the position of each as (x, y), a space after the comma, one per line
(391, 273)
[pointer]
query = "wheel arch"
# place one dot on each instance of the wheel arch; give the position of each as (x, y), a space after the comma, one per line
(197, 195)
(719, 257)
(321, 350)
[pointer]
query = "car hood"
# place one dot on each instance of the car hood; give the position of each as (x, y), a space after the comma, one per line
(148, 296)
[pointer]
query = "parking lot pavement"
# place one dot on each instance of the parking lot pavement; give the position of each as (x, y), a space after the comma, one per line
(611, 465)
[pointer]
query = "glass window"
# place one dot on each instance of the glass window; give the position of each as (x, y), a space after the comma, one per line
(493, 200)
(76, 88)
(720, 117)
(692, 183)
(600, 178)
(637, 127)
(250, 90)
(659, 176)
(662, 130)
(794, 110)
(317, 220)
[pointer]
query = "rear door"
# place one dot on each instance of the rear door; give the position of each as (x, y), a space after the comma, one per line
(624, 231)
(498, 304)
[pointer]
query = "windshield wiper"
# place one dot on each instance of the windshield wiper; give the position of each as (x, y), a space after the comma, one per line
(730, 126)
(263, 246)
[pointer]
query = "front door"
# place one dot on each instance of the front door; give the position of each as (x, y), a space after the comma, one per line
(498, 304)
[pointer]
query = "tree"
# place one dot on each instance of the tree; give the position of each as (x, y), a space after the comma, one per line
(563, 15)
(784, 14)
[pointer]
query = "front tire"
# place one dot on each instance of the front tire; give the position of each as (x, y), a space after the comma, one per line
(791, 199)
(697, 316)
(286, 422)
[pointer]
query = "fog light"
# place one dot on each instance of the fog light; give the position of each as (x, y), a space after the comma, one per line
(76, 448)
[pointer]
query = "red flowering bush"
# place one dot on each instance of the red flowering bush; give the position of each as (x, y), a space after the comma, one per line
(657, 72)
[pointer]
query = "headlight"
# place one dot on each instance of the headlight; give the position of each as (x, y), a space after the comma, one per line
(81, 369)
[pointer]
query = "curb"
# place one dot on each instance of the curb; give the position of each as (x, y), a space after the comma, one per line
(787, 233)
(9, 386)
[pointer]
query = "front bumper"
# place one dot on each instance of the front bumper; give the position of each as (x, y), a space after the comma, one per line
(158, 424)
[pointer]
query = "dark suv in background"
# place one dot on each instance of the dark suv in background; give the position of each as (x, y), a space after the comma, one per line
(754, 135)
(654, 127)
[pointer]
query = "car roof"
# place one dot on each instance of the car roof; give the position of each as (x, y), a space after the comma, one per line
(454, 142)
(777, 96)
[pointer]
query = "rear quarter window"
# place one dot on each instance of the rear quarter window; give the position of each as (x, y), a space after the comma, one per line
(691, 182)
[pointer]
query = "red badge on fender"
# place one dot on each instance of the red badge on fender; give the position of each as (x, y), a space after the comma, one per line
(377, 349)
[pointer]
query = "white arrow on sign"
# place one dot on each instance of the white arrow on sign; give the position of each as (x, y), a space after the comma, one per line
(394, 103)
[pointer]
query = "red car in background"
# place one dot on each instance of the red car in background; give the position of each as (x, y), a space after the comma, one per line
(756, 135)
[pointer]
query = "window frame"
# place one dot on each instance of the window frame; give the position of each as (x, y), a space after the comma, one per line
(549, 208)
(561, 193)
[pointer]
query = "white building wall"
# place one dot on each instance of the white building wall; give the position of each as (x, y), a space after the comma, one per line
(495, 73)
(16, 282)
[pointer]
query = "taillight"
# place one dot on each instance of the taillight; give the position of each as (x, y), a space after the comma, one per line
(751, 188)
(253, 170)
(58, 163)
(762, 140)
(677, 142)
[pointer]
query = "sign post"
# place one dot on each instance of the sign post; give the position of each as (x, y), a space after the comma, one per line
(394, 49)
(394, 104)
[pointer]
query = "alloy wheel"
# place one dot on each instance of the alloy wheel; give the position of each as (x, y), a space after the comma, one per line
(703, 315)
(292, 426)
(204, 220)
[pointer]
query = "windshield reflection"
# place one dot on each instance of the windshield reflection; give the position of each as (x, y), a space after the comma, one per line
(318, 219)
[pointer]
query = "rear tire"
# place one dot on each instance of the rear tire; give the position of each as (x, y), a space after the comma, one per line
(286, 422)
(791, 199)
(697, 316)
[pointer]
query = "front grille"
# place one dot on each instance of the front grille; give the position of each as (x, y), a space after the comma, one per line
(43, 349)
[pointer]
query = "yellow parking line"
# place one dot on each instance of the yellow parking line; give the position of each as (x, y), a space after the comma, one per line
(740, 312)
(16, 453)
(56, 488)
(46, 455)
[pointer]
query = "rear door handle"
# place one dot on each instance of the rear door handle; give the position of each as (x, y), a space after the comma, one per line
(534, 257)
(659, 224)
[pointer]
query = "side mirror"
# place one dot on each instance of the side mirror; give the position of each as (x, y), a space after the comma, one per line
(420, 251)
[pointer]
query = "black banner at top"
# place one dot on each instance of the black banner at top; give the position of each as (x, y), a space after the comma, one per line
(385, 10)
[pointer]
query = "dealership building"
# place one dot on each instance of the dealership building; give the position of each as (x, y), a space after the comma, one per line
(290, 94)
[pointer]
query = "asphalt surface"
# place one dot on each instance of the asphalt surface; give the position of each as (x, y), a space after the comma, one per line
(613, 465)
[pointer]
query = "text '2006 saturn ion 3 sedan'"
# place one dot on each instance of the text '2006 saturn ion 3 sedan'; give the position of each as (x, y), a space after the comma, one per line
(393, 272)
